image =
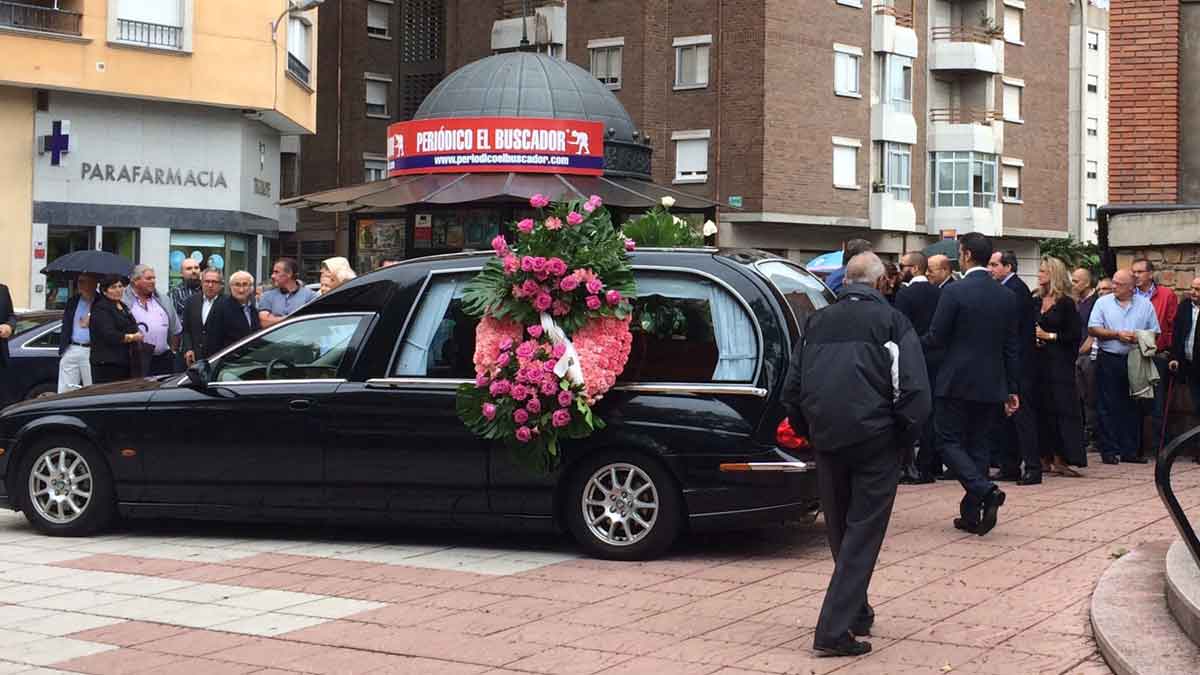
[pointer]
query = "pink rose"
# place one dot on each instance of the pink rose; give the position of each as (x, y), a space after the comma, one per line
(613, 298)
(520, 392)
(574, 218)
(530, 288)
(543, 302)
(538, 264)
(592, 203)
(553, 223)
(556, 267)
(481, 380)
(534, 406)
(520, 416)
(499, 388)
(560, 308)
(526, 263)
(506, 344)
(502, 360)
(524, 434)
(539, 201)
(565, 398)
(568, 284)
(535, 331)
(548, 366)
(630, 245)
(499, 245)
(593, 302)
(526, 349)
(549, 387)
(511, 265)
(594, 286)
(561, 418)
(525, 226)
(559, 350)
(489, 410)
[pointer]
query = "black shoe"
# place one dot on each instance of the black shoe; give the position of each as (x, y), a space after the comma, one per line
(847, 646)
(960, 524)
(862, 625)
(1030, 478)
(991, 508)
(1110, 459)
(1135, 460)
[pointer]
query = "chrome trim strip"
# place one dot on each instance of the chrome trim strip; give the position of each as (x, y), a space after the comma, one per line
(252, 383)
(416, 382)
(694, 388)
(796, 466)
(56, 325)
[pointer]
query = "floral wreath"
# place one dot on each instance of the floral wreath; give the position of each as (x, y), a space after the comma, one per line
(554, 329)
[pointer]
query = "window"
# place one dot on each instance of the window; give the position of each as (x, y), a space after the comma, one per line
(440, 341)
(1093, 84)
(845, 163)
(1013, 94)
(374, 169)
(377, 95)
(153, 23)
(299, 48)
(1093, 40)
(963, 179)
(1091, 212)
(846, 67)
(379, 20)
(897, 170)
(691, 156)
(803, 292)
(1093, 126)
(311, 349)
(606, 60)
(1010, 183)
(898, 86)
(1093, 169)
(691, 61)
(1014, 18)
(47, 340)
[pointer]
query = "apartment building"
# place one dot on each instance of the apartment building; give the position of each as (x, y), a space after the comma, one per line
(1088, 181)
(810, 122)
(148, 128)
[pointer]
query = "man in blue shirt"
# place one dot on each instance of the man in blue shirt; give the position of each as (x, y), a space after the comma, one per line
(1115, 320)
(75, 339)
(851, 248)
(288, 295)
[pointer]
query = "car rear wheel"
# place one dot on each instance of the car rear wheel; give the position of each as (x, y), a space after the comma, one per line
(67, 488)
(623, 506)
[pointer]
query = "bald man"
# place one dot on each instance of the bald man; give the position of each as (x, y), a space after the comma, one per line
(941, 271)
(1115, 320)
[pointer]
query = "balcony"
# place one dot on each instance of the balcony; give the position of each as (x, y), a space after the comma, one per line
(149, 34)
(890, 213)
(965, 130)
(966, 48)
(892, 31)
(40, 19)
(297, 68)
(987, 220)
(893, 121)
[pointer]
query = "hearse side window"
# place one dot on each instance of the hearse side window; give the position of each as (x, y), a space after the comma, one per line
(46, 341)
(440, 341)
(311, 349)
(689, 329)
(804, 293)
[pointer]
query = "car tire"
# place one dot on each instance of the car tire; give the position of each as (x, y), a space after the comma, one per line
(638, 520)
(74, 502)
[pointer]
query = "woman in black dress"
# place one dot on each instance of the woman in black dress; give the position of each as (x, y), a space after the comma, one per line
(1059, 333)
(113, 331)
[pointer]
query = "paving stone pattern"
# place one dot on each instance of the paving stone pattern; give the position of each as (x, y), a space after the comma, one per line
(215, 599)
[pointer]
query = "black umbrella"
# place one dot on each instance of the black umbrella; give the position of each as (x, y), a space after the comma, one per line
(100, 263)
(946, 247)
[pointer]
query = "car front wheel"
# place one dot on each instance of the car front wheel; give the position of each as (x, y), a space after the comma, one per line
(67, 488)
(623, 506)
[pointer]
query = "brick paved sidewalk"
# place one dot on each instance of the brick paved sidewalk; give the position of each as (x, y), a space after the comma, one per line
(218, 599)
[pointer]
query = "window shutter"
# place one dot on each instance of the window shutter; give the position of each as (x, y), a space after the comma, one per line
(378, 15)
(1012, 177)
(376, 94)
(298, 39)
(845, 160)
(1012, 102)
(691, 158)
(1012, 24)
(162, 12)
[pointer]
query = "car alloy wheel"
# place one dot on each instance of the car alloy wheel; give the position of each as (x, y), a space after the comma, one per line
(620, 504)
(60, 485)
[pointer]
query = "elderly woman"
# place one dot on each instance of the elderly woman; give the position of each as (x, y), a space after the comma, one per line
(1059, 333)
(113, 330)
(334, 273)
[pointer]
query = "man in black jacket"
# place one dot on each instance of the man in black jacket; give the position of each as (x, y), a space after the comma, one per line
(879, 403)
(197, 312)
(1015, 439)
(75, 339)
(975, 323)
(236, 316)
(918, 301)
(8, 321)
(1184, 357)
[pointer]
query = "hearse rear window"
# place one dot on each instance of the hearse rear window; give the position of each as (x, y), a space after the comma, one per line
(685, 329)
(803, 292)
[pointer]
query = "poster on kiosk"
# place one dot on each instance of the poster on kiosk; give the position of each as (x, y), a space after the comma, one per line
(496, 144)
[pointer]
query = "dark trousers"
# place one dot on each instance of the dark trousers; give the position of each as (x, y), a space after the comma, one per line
(1085, 385)
(858, 490)
(1118, 416)
(1158, 406)
(929, 458)
(964, 430)
(162, 364)
(1016, 438)
(107, 372)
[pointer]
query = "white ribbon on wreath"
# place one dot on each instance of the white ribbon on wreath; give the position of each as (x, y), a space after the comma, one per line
(568, 365)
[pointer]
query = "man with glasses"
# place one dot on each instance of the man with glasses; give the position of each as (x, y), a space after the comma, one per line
(196, 315)
(1114, 322)
(1166, 306)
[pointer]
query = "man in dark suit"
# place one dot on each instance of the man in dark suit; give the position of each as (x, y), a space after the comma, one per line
(1184, 358)
(976, 324)
(8, 321)
(236, 317)
(918, 301)
(197, 312)
(1016, 438)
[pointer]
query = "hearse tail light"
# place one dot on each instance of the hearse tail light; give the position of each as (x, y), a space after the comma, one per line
(787, 437)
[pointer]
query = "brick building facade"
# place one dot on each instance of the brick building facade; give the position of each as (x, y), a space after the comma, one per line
(812, 121)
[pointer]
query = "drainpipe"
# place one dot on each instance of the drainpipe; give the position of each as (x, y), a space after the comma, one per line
(1080, 122)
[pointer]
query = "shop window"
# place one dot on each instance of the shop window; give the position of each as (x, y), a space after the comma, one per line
(120, 241)
(59, 242)
(312, 252)
(227, 253)
(299, 48)
(691, 61)
(379, 19)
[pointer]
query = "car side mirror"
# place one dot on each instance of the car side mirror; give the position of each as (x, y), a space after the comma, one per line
(198, 374)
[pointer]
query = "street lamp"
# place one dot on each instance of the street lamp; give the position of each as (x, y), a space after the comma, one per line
(293, 8)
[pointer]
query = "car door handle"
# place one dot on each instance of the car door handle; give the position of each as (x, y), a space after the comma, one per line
(300, 404)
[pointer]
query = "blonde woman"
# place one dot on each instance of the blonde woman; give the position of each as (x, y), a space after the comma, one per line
(334, 273)
(1059, 333)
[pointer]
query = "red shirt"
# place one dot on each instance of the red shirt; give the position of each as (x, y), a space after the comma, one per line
(1166, 305)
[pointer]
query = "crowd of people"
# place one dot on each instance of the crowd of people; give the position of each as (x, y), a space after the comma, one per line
(115, 328)
(975, 378)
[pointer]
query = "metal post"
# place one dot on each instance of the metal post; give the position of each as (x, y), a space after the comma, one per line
(524, 31)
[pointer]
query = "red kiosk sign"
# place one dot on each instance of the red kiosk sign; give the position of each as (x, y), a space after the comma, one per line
(496, 144)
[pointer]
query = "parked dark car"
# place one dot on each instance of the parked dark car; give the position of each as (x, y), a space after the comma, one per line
(33, 351)
(347, 411)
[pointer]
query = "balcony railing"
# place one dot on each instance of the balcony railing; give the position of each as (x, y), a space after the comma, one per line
(44, 19)
(149, 34)
(963, 34)
(297, 68)
(964, 115)
(903, 18)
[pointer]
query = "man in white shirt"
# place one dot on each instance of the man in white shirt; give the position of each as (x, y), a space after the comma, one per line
(195, 316)
(1183, 354)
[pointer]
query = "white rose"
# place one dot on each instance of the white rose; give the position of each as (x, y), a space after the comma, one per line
(710, 228)
(668, 201)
